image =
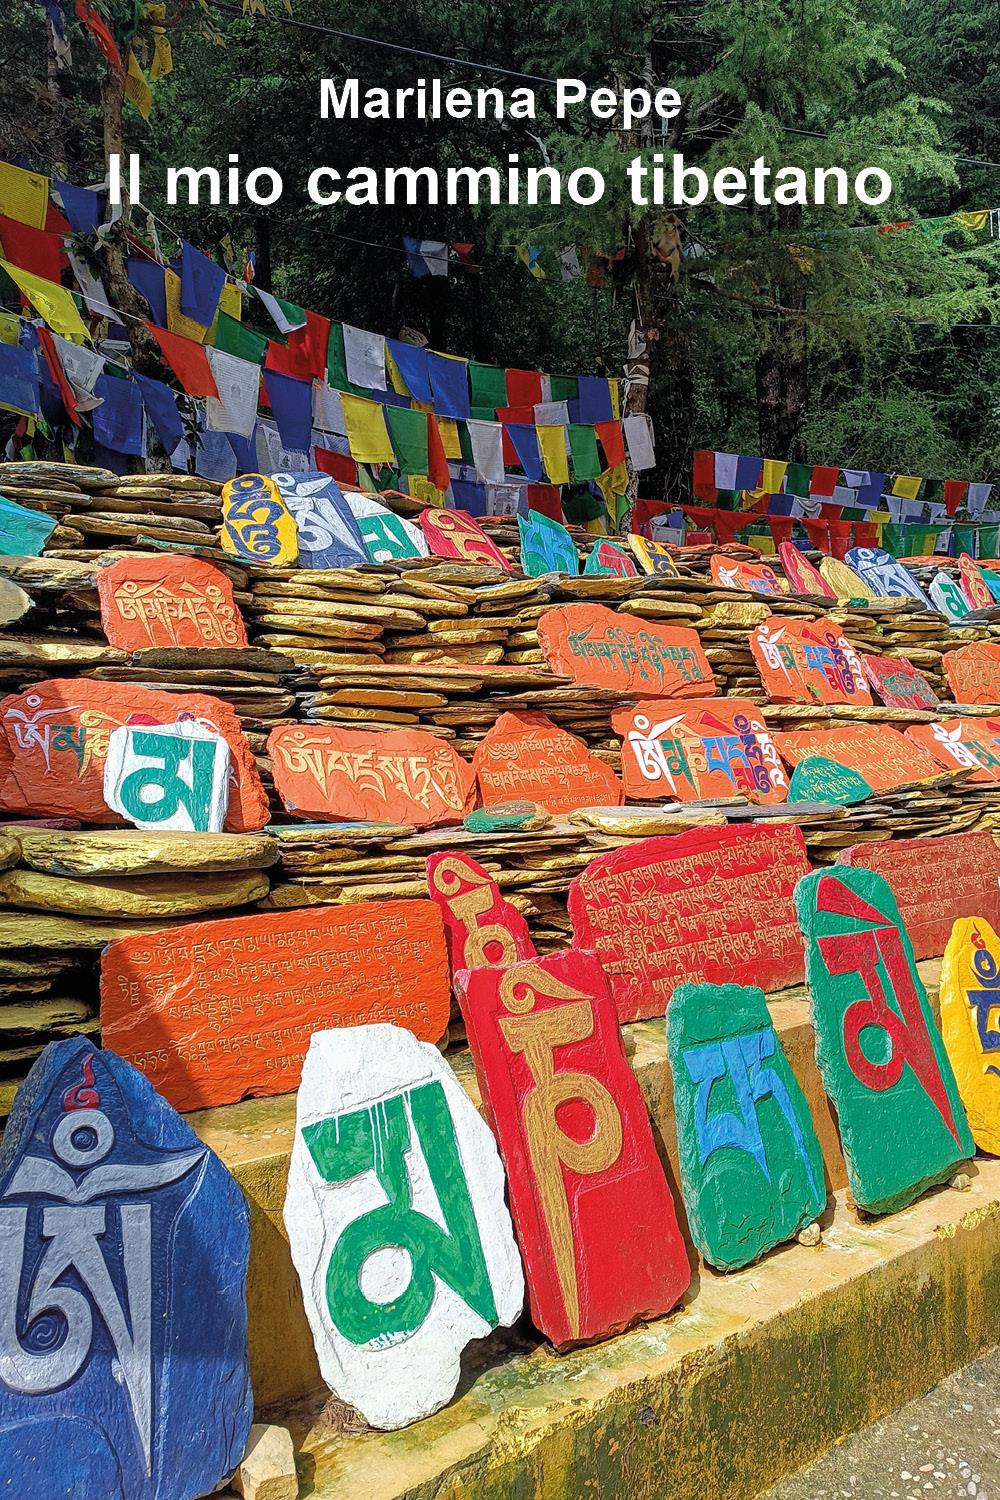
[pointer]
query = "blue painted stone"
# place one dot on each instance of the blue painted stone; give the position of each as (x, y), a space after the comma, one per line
(885, 575)
(123, 1323)
(992, 581)
(328, 533)
(546, 547)
(23, 532)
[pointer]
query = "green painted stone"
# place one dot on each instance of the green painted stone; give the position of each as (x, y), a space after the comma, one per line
(819, 779)
(880, 1055)
(751, 1165)
(503, 816)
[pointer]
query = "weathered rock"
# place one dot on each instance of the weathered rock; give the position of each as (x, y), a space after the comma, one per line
(386, 536)
(808, 661)
(148, 897)
(397, 1224)
(32, 930)
(128, 851)
(885, 758)
(886, 577)
(970, 744)
(597, 647)
(14, 603)
(123, 1272)
(750, 578)
(328, 533)
(607, 558)
(753, 1175)
(452, 533)
(168, 602)
(898, 683)
(546, 546)
(653, 557)
(267, 1468)
(645, 822)
(802, 576)
(969, 996)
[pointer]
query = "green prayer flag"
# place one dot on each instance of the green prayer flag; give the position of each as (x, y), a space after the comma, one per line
(488, 384)
(583, 452)
(933, 492)
(465, 442)
(233, 338)
(579, 506)
(798, 478)
(408, 431)
(564, 387)
(482, 413)
(336, 364)
(965, 540)
(988, 542)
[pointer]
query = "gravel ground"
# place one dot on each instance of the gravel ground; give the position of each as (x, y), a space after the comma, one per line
(945, 1444)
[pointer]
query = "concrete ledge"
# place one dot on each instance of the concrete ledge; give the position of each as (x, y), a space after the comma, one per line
(759, 1373)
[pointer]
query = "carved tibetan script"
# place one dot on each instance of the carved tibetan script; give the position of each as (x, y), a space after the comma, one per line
(808, 661)
(598, 647)
(703, 749)
(168, 602)
(884, 757)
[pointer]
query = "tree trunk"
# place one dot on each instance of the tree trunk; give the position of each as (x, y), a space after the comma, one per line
(782, 366)
(121, 293)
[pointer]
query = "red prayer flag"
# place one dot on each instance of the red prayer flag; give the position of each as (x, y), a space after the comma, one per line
(98, 29)
(464, 251)
(865, 534)
(840, 538)
(56, 221)
(437, 461)
(340, 465)
(524, 388)
(703, 476)
(33, 250)
(188, 361)
(780, 528)
(955, 491)
(824, 480)
(58, 375)
(545, 499)
(818, 533)
(304, 356)
(612, 441)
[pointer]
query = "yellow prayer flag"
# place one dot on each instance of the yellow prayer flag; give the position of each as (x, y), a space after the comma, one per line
(448, 428)
(552, 442)
(10, 329)
(137, 86)
(613, 482)
(973, 221)
(907, 485)
(422, 489)
(596, 527)
(51, 302)
(764, 543)
(616, 400)
(163, 57)
(367, 433)
(751, 499)
(24, 196)
(231, 301)
(528, 256)
(178, 322)
(396, 380)
(773, 476)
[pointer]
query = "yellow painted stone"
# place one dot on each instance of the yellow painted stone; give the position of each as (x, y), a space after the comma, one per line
(257, 525)
(843, 580)
(970, 1024)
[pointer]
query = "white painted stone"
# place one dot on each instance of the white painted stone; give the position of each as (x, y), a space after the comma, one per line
(947, 597)
(364, 1087)
(168, 777)
(386, 536)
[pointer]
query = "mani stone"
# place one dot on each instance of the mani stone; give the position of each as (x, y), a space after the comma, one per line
(396, 1220)
(751, 1165)
(505, 816)
(970, 996)
(124, 1372)
(131, 851)
(819, 779)
(880, 1055)
(267, 1469)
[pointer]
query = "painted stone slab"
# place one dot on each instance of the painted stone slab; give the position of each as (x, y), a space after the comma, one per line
(607, 557)
(386, 536)
(880, 1055)
(218, 1011)
(974, 586)
(973, 672)
(327, 531)
(884, 757)
(23, 532)
(124, 1372)
(817, 779)
(705, 749)
(653, 557)
(452, 533)
(751, 1164)
(348, 775)
(935, 881)
(54, 744)
(397, 1223)
(711, 906)
(168, 602)
(807, 661)
(591, 1205)
(480, 926)
(754, 578)
(886, 577)
(526, 755)
(947, 598)
(257, 526)
(972, 744)
(802, 576)
(506, 817)
(546, 547)
(898, 683)
(992, 580)
(598, 647)
(844, 583)
(168, 779)
(970, 1024)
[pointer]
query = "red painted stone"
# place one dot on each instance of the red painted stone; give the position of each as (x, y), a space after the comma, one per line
(452, 533)
(973, 584)
(168, 602)
(802, 577)
(357, 775)
(599, 647)
(898, 683)
(935, 882)
(527, 756)
(752, 578)
(54, 742)
(481, 927)
(590, 1202)
(807, 661)
(713, 906)
(219, 1011)
(883, 756)
(963, 744)
(973, 672)
(697, 750)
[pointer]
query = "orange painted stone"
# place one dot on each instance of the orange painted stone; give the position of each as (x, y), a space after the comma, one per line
(973, 672)
(598, 647)
(54, 742)
(973, 584)
(706, 748)
(808, 661)
(709, 907)
(168, 602)
(219, 1011)
(936, 881)
(481, 927)
(883, 756)
(753, 578)
(965, 744)
(526, 755)
(802, 577)
(349, 775)
(898, 683)
(452, 533)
